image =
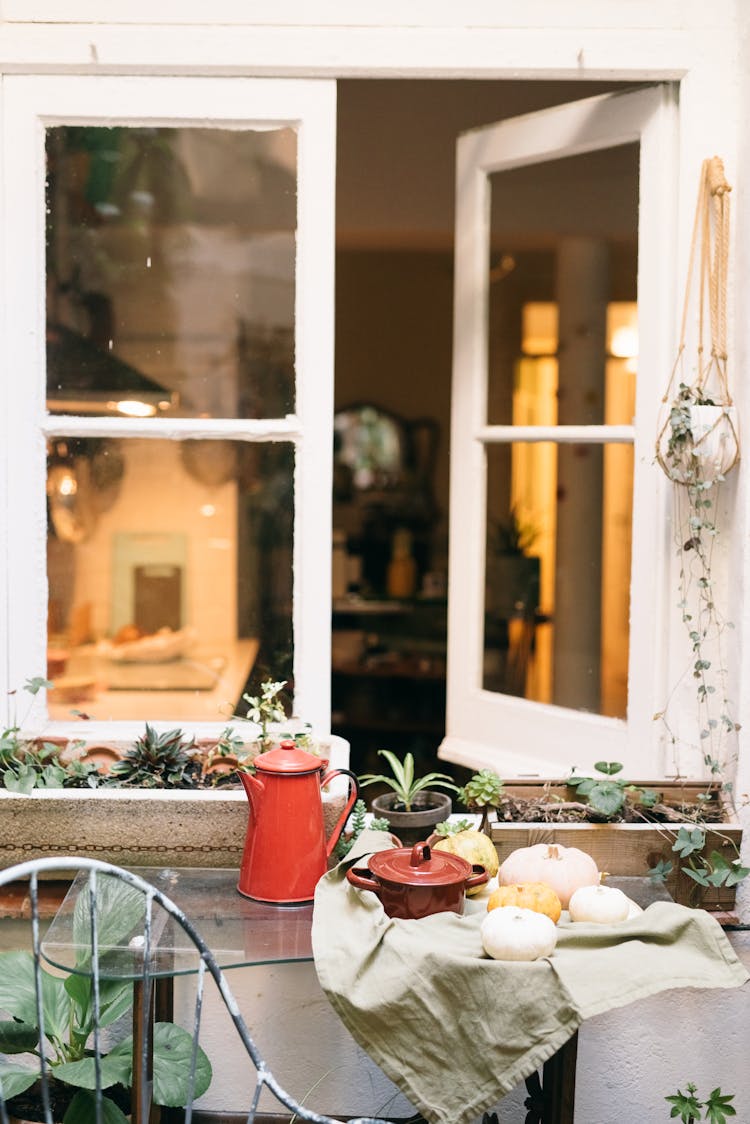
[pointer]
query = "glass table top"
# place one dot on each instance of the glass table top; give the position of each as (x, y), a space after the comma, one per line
(239, 932)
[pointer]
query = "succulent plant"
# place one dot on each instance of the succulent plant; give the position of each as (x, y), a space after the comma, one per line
(158, 761)
(482, 792)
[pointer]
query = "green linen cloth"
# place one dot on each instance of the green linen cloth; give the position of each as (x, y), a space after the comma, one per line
(455, 1030)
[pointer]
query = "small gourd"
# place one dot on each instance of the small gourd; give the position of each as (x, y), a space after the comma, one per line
(512, 933)
(528, 895)
(565, 869)
(603, 905)
(476, 848)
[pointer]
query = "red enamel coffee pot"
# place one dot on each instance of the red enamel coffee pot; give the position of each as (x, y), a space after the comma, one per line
(286, 850)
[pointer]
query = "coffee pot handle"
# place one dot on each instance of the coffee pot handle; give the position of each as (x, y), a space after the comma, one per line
(353, 794)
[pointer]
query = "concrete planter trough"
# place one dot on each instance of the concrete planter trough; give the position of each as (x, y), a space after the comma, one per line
(141, 827)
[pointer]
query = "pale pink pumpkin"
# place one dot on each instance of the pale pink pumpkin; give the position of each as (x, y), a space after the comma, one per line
(565, 869)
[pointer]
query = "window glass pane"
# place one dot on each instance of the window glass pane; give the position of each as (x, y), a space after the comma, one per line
(563, 250)
(558, 573)
(170, 575)
(170, 271)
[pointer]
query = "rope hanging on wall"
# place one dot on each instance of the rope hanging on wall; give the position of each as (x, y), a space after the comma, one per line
(698, 432)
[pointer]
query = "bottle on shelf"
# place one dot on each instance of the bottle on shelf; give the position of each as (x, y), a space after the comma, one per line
(402, 569)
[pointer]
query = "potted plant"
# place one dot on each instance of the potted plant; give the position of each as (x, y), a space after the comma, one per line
(412, 807)
(68, 1018)
(480, 794)
(697, 446)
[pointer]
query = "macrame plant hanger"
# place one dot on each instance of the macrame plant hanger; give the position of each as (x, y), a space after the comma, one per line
(698, 433)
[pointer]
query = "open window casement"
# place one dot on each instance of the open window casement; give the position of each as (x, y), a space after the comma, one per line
(168, 278)
(558, 543)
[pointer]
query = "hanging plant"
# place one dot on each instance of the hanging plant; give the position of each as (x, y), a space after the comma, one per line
(697, 445)
(698, 442)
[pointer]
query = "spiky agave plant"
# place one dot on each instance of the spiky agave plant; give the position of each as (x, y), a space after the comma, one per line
(157, 761)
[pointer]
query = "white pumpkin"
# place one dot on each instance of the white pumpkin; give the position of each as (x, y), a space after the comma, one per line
(512, 933)
(565, 869)
(604, 905)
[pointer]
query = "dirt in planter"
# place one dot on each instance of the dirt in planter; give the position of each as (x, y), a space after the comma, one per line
(549, 809)
(28, 1105)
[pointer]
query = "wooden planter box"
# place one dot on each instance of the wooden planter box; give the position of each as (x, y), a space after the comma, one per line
(629, 849)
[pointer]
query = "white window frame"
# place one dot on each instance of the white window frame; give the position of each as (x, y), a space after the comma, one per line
(30, 105)
(516, 736)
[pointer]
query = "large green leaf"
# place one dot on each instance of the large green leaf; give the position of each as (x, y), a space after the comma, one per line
(82, 1110)
(18, 1038)
(116, 1069)
(18, 994)
(15, 1079)
(120, 908)
(607, 797)
(115, 998)
(173, 1052)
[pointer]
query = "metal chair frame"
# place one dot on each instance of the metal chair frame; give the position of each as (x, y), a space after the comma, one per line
(143, 996)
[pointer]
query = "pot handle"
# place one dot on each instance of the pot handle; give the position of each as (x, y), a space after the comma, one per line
(363, 879)
(478, 878)
(353, 794)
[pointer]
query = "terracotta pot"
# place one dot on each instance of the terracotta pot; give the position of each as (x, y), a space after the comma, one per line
(428, 809)
(414, 882)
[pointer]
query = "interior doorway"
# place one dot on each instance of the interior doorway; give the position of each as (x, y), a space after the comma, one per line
(394, 331)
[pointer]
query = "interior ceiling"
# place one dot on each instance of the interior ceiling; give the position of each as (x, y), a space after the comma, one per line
(396, 152)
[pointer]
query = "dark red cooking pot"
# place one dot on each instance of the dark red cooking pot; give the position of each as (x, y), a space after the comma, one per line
(414, 882)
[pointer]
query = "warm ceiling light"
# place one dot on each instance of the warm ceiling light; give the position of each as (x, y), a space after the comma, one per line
(624, 343)
(132, 408)
(68, 485)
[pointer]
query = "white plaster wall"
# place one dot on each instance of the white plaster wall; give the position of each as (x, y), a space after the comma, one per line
(628, 1059)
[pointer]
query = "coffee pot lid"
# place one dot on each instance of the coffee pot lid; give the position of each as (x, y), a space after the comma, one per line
(288, 758)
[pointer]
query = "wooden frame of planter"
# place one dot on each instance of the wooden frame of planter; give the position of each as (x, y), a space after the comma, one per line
(140, 827)
(630, 848)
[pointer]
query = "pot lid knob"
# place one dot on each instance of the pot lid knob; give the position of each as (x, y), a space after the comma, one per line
(420, 853)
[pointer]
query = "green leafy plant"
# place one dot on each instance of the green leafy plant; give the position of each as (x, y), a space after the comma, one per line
(25, 764)
(157, 760)
(705, 870)
(482, 793)
(403, 781)
(448, 827)
(513, 535)
(608, 793)
(266, 707)
(608, 796)
(697, 490)
(68, 1013)
(689, 1109)
(357, 825)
